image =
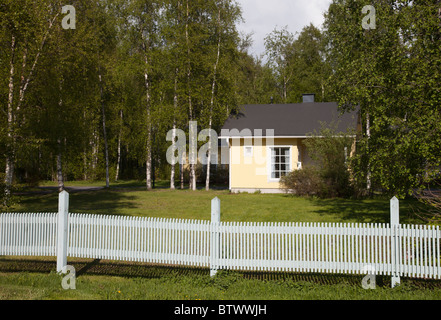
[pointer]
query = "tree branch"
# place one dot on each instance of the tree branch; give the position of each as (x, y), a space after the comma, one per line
(25, 83)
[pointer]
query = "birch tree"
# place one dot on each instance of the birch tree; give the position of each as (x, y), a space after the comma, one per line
(279, 46)
(222, 99)
(173, 30)
(104, 46)
(28, 25)
(392, 74)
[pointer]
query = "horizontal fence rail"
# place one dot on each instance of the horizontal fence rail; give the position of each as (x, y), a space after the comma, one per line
(386, 249)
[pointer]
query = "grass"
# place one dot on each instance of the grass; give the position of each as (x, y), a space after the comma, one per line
(130, 198)
(33, 278)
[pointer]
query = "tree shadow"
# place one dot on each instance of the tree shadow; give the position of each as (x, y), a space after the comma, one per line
(376, 210)
(346, 210)
(108, 201)
(102, 201)
(100, 267)
(124, 269)
(135, 269)
(312, 277)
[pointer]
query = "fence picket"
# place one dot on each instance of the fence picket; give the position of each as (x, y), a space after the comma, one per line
(437, 257)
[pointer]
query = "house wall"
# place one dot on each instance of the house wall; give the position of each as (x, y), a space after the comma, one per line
(253, 173)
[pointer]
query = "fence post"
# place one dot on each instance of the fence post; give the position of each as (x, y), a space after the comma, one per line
(396, 249)
(214, 247)
(63, 215)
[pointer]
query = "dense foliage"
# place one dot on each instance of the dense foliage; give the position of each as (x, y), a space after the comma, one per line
(97, 101)
(392, 73)
(329, 174)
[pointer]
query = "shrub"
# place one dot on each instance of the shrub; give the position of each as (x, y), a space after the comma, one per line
(314, 181)
(304, 182)
(329, 176)
(432, 199)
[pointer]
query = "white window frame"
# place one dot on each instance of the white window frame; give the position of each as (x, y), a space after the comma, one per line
(269, 160)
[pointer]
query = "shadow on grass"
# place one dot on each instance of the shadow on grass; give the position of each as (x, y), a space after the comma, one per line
(375, 210)
(108, 202)
(348, 210)
(100, 267)
(153, 271)
(103, 201)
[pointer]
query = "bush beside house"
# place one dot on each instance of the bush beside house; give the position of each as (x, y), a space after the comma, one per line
(328, 176)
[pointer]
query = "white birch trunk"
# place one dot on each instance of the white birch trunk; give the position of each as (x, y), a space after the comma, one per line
(207, 180)
(368, 134)
(192, 184)
(148, 166)
(85, 164)
(175, 105)
(9, 170)
(60, 178)
(85, 156)
(181, 172)
(118, 162)
(148, 163)
(284, 88)
(106, 151)
(149, 132)
(172, 170)
(95, 148)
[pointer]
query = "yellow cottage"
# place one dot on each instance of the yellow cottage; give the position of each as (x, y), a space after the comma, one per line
(265, 142)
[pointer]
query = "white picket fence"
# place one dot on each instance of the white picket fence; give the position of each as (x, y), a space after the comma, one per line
(28, 234)
(393, 249)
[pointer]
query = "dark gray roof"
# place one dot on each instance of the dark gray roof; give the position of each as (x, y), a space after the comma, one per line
(298, 119)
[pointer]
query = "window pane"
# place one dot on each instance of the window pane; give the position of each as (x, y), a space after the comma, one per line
(280, 162)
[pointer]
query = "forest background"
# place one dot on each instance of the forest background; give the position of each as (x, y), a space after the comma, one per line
(96, 101)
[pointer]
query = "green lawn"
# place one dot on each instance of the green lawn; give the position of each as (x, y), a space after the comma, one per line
(34, 278)
(131, 199)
